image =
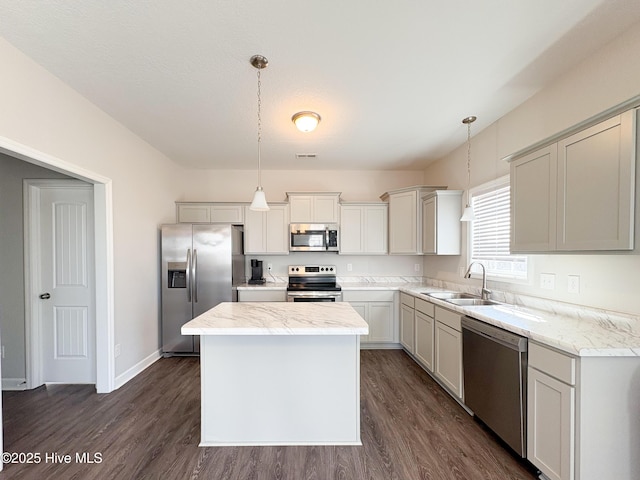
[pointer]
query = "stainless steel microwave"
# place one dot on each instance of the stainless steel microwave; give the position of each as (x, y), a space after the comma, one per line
(313, 237)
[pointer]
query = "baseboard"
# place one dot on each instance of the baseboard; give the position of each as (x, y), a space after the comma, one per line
(137, 368)
(14, 384)
(380, 346)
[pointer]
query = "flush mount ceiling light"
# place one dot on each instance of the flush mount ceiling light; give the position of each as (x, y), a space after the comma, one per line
(306, 121)
(259, 202)
(468, 215)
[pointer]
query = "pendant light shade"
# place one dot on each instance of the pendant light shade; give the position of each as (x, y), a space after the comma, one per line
(468, 215)
(306, 121)
(259, 202)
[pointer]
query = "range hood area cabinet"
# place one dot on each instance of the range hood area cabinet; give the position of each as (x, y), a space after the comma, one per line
(441, 230)
(577, 194)
(405, 218)
(314, 207)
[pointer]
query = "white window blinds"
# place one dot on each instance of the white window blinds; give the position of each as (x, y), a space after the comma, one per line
(490, 232)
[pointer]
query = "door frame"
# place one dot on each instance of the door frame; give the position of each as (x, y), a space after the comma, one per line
(103, 248)
(32, 190)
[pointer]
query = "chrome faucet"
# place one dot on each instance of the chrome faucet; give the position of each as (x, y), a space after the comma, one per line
(485, 292)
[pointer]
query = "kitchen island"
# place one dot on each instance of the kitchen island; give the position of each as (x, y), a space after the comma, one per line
(279, 373)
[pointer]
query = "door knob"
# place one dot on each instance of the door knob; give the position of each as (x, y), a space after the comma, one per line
(45, 296)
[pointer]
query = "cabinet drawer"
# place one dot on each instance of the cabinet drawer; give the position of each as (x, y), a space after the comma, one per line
(262, 295)
(368, 296)
(424, 307)
(555, 364)
(452, 319)
(407, 300)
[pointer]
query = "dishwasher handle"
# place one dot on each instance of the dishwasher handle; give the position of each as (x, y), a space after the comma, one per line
(495, 334)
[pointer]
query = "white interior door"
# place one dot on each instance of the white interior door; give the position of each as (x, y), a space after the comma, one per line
(66, 297)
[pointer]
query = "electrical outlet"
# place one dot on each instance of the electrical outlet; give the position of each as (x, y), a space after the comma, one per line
(349, 267)
(416, 267)
(573, 283)
(118, 350)
(269, 266)
(548, 281)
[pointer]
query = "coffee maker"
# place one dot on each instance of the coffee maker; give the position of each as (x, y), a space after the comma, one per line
(256, 272)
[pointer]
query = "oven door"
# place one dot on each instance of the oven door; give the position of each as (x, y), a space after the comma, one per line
(316, 296)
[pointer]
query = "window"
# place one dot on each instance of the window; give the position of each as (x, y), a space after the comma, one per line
(490, 231)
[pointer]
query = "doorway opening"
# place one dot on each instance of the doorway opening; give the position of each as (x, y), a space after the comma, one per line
(103, 249)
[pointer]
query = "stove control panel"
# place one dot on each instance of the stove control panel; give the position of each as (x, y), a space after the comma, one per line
(310, 270)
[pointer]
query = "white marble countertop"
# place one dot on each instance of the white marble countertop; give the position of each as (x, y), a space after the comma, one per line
(587, 333)
(278, 318)
(573, 329)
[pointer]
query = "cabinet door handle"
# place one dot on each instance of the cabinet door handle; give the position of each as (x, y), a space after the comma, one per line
(45, 296)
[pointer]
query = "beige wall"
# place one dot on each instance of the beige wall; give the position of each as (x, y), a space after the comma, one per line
(604, 80)
(41, 112)
(239, 185)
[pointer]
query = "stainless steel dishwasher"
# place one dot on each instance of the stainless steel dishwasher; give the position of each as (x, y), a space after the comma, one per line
(495, 380)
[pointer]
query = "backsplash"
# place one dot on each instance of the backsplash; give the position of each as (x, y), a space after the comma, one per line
(606, 318)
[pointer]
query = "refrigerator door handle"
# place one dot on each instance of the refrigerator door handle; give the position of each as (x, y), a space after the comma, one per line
(188, 275)
(195, 275)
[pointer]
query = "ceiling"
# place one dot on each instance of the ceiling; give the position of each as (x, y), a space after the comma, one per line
(392, 80)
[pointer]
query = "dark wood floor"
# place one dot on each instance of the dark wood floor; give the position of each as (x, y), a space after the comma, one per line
(150, 428)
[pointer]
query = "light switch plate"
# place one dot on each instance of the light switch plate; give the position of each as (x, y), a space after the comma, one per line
(573, 283)
(547, 281)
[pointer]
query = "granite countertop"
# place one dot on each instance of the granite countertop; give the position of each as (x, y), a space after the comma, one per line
(581, 332)
(278, 318)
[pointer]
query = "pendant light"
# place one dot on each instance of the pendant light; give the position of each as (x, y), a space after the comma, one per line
(468, 215)
(259, 202)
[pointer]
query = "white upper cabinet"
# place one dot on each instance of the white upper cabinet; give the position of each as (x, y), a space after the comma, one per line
(363, 228)
(533, 201)
(441, 211)
(192, 212)
(318, 207)
(267, 232)
(596, 180)
(405, 219)
(577, 194)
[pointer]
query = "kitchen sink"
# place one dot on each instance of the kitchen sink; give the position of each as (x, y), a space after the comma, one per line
(471, 302)
(452, 295)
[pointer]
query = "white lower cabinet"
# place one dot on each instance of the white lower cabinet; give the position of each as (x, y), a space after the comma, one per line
(407, 322)
(259, 295)
(424, 339)
(424, 333)
(551, 412)
(378, 309)
(448, 350)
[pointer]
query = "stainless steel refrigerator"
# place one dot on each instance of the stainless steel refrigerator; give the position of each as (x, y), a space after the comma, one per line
(201, 267)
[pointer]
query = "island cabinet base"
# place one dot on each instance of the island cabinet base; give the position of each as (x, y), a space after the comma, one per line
(280, 390)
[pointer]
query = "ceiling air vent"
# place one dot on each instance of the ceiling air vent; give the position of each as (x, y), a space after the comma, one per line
(306, 155)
